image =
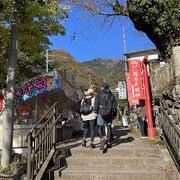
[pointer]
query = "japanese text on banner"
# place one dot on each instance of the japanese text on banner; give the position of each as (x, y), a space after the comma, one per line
(131, 100)
(136, 79)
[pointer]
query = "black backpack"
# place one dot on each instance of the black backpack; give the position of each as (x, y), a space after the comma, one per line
(86, 107)
(106, 107)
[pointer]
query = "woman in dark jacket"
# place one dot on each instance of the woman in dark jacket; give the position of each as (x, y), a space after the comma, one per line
(102, 120)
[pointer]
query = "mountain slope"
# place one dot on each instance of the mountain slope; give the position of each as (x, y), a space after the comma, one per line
(90, 72)
(112, 70)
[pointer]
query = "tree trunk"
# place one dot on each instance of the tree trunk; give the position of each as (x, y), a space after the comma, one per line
(8, 120)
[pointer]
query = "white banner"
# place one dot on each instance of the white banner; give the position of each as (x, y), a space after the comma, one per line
(122, 90)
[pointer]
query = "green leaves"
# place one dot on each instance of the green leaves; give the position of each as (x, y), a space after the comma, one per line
(158, 19)
(38, 19)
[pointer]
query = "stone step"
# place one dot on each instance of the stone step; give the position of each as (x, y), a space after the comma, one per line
(128, 140)
(113, 174)
(115, 161)
(129, 159)
(122, 151)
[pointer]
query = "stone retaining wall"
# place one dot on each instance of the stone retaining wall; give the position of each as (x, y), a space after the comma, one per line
(162, 77)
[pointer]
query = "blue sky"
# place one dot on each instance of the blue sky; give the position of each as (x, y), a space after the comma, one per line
(88, 38)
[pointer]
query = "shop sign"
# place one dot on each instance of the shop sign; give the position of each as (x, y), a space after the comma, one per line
(36, 86)
(122, 90)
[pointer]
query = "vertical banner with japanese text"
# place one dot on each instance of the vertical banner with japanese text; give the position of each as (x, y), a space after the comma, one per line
(1, 101)
(136, 79)
(131, 100)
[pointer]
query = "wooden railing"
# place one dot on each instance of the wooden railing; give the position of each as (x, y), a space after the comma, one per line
(170, 126)
(41, 143)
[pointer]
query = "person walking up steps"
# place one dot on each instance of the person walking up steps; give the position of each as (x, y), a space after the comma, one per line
(105, 107)
(89, 117)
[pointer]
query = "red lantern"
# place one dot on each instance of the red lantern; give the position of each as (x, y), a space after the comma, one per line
(23, 110)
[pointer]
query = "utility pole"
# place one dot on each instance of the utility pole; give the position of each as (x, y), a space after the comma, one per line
(90, 80)
(47, 60)
(125, 51)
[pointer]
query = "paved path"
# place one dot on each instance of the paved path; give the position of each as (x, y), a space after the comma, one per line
(130, 158)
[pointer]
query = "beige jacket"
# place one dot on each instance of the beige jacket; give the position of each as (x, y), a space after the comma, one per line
(92, 115)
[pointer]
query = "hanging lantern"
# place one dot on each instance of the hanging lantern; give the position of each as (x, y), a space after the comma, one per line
(23, 110)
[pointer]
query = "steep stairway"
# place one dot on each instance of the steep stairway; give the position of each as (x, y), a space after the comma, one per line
(130, 158)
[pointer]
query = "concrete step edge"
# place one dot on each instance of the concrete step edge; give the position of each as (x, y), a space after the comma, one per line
(118, 171)
(114, 158)
(119, 148)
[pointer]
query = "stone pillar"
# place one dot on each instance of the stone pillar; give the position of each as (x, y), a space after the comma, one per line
(176, 59)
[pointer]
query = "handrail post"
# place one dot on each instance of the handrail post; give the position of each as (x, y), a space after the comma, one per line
(56, 111)
(29, 163)
(54, 122)
(45, 144)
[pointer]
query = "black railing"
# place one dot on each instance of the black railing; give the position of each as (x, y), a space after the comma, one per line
(41, 141)
(171, 131)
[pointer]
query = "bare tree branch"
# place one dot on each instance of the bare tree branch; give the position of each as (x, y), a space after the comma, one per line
(147, 16)
(91, 5)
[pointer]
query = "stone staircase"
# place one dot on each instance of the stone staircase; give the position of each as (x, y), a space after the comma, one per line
(130, 158)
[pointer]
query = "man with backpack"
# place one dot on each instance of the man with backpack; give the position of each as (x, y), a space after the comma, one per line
(88, 116)
(105, 107)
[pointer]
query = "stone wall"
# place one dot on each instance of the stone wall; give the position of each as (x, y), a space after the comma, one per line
(165, 76)
(161, 77)
(165, 81)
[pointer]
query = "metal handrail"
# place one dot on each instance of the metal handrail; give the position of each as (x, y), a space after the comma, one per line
(173, 123)
(171, 131)
(47, 134)
(169, 110)
(42, 142)
(35, 135)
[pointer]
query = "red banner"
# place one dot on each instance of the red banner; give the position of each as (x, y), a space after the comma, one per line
(136, 79)
(1, 101)
(131, 100)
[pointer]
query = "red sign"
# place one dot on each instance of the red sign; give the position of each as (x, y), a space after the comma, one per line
(131, 100)
(1, 101)
(136, 79)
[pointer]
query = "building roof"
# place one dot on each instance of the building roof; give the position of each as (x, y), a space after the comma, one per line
(153, 54)
(142, 51)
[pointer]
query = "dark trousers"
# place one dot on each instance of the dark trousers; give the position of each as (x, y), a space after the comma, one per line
(100, 131)
(89, 125)
(109, 132)
(143, 126)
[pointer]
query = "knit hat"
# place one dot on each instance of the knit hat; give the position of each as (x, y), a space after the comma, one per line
(105, 85)
(89, 92)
